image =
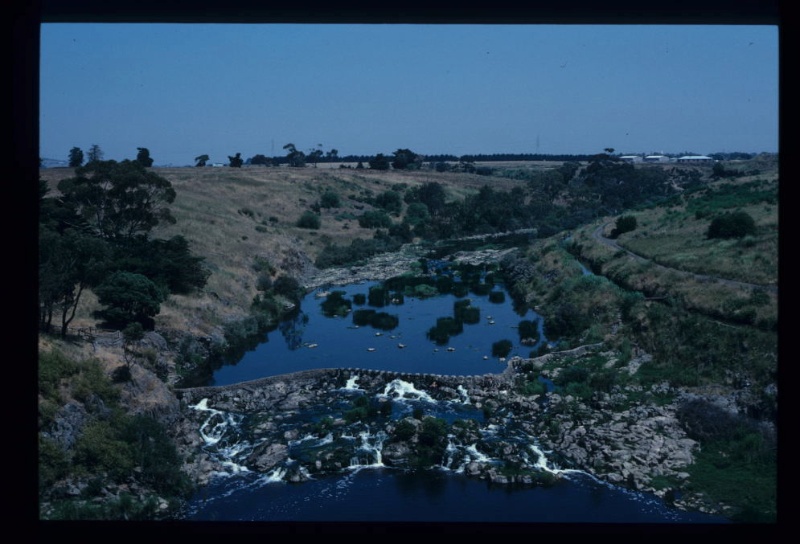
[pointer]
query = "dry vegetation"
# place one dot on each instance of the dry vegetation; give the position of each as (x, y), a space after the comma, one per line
(236, 216)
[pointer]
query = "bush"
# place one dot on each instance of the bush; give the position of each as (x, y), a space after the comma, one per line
(129, 298)
(501, 348)
(330, 199)
(288, 287)
(375, 219)
(731, 225)
(624, 224)
(309, 220)
(404, 430)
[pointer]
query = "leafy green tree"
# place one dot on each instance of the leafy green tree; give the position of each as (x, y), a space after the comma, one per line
(75, 157)
(236, 161)
(69, 263)
(201, 160)
(70, 260)
(315, 155)
(731, 225)
(375, 219)
(143, 157)
(379, 162)
(129, 298)
(288, 286)
(169, 263)
(417, 213)
(431, 194)
(332, 155)
(295, 157)
(405, 159)
(95, 153)
(259, 159)
(118, 200)
(391, 201)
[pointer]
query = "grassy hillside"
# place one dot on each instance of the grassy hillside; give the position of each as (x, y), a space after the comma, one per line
(680, 261)
(244, 220)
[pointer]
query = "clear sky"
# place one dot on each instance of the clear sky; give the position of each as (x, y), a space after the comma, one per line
(182, 90)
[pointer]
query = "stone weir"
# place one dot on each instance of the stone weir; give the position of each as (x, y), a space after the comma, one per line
(298, 388)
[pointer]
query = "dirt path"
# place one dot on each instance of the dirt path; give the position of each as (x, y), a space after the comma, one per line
(597, 234)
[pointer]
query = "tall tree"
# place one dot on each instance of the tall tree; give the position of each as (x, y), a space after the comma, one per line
(118, 200)
(296, 157)
(405, 159)
(69, 263)
(236, 161)
(75, 157)
(315, 154)
(201, 160)
(143, 157)
(95, 153)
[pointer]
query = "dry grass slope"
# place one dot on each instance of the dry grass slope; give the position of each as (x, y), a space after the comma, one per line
(236, 216)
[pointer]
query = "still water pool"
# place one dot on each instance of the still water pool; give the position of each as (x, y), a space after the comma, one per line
(313, 340)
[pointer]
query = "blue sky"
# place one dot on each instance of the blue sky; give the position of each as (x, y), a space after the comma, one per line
(182, 90)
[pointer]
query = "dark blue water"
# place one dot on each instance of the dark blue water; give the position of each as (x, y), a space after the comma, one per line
(312, 340)
(382, 495)
(377, 494)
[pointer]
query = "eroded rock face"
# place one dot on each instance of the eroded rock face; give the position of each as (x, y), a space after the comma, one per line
(68, 425)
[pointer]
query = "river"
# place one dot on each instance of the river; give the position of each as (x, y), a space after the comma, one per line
(371, 492)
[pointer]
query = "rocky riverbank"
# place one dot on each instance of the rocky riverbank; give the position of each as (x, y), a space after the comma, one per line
(389, 265)
(639, 445)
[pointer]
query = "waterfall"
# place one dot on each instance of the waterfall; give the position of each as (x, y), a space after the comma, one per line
(403, 390)
(220, 430)
(369, 450)
(464, 395)
(542, 463)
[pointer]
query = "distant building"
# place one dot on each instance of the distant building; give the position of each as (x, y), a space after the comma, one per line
(631, 158)
(657, 158)
(695, 159)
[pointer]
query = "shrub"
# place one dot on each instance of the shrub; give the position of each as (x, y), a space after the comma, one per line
(731, 225)
(404, 430)
(390, 201)
(288, 287)
(375, 219)
(330, 199)
(624, 224)
(129, 298)
(501, 348)
(309, 220)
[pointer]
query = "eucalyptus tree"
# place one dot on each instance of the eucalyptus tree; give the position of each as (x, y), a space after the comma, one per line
(95, 153)
(236, 161)
(295, 157)
(143, 156)
(75, 157)
(118, 200)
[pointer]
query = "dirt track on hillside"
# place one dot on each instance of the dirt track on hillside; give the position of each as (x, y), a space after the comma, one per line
(597, 234)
